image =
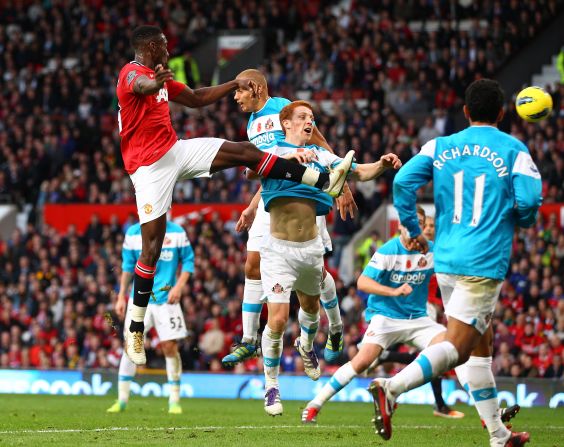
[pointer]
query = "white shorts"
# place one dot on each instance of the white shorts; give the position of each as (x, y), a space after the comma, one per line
(385, 331)
(154, 184)
(287, 266)
(261, 227)
(167, 319)
(469, 299)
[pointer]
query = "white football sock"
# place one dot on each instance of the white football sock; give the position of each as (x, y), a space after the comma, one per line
(173, 373)
(309, 323)
(431, 362)
(340, 379)
(330, 303)
(127, 370)
(481, 383)
(252, 307)
(271, 351)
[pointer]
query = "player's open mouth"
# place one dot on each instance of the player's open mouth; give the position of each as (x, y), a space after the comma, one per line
(308, 130)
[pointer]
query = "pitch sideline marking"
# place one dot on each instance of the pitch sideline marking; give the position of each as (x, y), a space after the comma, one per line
(235, 427)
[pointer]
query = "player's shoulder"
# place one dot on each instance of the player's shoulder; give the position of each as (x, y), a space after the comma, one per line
(391, 247)
(274, 105)
(278, 100)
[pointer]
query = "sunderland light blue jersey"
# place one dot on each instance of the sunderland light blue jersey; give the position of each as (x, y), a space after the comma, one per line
(273, 189)
(176, 250)
(264, 129)
(485, 183)
(393, 265)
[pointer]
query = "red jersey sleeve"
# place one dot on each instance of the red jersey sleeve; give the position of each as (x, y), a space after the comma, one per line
(130, 76)
(174, 88)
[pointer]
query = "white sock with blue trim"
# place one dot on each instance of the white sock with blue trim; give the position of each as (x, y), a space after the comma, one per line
(481, 384)
(251, 309)
(127, 370)
(338, 381)
(330, 303)
(174, 372)
(272, 343)
(433, 361)
(309, 323)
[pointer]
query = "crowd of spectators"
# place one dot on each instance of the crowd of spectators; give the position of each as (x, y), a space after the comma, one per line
(59, 144)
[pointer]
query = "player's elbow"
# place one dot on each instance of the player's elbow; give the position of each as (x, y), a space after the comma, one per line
(362, 283)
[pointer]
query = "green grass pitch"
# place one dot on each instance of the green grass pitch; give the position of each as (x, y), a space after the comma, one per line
(81, 420)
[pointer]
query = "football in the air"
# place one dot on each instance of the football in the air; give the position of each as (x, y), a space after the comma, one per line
(533, 104)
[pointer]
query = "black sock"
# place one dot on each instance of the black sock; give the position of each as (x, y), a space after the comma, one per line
(438, 391)
(272, 166)
(404, 358)
(144, 277)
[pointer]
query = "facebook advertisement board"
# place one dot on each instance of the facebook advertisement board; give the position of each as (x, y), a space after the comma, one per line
(529, 393)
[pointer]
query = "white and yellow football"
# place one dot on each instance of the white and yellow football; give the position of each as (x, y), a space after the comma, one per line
(533, 104)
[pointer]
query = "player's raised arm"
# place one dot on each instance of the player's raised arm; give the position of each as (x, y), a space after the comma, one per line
(146, 86)
(527, 187)
(369, 171)
(208, 95)
(417, 172)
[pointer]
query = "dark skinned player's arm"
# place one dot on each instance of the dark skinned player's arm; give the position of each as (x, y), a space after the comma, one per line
(204, 96)
(145, 86)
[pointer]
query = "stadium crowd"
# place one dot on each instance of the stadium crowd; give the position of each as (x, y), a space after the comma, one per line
(59, 144)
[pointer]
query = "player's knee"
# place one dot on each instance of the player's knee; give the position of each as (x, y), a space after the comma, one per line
(169, 348)
(150, 253)
(252, 268)
(277, 323)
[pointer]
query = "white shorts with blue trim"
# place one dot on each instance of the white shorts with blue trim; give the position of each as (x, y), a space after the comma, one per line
(167, 319)
(470, 299)
(154, 184)
(287, 266)
(385, 332)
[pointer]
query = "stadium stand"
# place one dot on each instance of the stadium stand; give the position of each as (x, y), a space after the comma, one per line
(58, 144)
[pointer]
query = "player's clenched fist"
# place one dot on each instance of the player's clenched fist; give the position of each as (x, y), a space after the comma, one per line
(391, 161)
(404, 290)
(162, 75)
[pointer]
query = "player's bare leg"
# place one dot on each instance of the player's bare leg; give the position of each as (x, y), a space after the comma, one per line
(152, 235)
(232, 154)
(272, 344)
(342, 377)
(251, 310)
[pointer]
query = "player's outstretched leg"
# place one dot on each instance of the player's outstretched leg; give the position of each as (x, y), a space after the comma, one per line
(338, 381)
(330, 302)
(126, 373)
(268, 165)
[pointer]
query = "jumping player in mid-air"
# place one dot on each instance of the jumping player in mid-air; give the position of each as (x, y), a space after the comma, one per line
(265, 131)
(292, 253)
(156, 158)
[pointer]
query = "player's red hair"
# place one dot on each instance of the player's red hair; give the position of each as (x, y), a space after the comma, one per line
(287, 112)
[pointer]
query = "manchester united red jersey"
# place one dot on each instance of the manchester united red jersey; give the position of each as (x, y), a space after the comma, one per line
(144, 120)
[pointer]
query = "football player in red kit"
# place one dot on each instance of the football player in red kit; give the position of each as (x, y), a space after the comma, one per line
(156, 158)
